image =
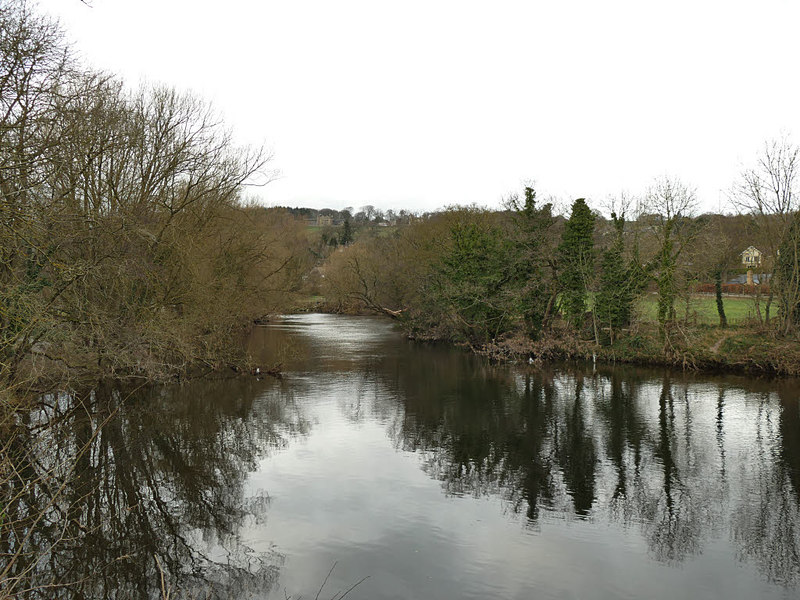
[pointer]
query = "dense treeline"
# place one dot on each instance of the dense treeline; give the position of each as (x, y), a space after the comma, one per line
(125, 242)
(524, 280)
(127, 248)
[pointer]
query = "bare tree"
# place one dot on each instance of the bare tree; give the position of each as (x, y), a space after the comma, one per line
(769, 188)
(768, 191)
(33, 64)
(671, 205)
(369, 211)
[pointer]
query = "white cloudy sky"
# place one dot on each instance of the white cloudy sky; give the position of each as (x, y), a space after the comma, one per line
(419, 104)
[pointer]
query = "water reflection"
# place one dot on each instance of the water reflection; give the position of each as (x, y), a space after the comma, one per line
(156, 491)
(430, 471)
(766, 519)
(643, 450)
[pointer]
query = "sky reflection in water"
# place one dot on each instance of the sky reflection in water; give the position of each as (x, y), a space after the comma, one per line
(431, 472)
(440, 476)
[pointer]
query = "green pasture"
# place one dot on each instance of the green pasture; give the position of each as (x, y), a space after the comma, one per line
(703, 309)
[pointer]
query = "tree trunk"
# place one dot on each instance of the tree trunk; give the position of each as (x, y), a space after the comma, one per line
(767, 306)
(723, 321)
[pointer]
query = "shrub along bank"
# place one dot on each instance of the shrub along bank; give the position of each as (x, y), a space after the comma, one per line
(524, 283)
(126, 244)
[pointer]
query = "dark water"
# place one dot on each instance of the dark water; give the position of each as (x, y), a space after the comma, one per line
(424, 469)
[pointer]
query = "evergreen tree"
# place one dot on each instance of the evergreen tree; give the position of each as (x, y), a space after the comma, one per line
(531, 288)
(347, 233)
(576, 254)
(614, 300)
(471, 282)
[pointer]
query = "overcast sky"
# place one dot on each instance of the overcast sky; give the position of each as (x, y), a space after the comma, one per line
(423, 104)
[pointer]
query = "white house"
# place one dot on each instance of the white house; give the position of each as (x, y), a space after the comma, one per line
(751, 257)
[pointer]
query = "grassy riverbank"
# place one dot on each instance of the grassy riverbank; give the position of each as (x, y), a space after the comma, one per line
(524, 283)
(739, 350)
(742, 349)
(745, 346)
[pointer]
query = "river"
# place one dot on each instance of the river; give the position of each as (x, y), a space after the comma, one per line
(423, 469)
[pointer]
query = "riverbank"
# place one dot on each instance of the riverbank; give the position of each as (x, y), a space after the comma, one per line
(702, 348)
(745, 349)
(45, 369)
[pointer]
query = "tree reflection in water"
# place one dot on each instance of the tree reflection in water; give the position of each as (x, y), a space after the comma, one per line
(478, 433)
(645, 450)
(158, 489)
(766, 522)
(576, 453)
(676, 462)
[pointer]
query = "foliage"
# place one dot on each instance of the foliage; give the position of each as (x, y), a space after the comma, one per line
(121, 220)
(665, 280)
(576, 255)
(369, 274)
(470, 282)
(530, 231)
(787, 274)
(618, 284)
(346, 236)
(465, 274)
(672, 203)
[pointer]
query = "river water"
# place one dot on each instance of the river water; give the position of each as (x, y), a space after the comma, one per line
(428, 472)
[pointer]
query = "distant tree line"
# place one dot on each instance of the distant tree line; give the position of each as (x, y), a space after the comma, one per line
(477, 276)
(363, 215)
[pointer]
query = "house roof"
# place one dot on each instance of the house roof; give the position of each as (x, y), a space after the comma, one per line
(750, 248)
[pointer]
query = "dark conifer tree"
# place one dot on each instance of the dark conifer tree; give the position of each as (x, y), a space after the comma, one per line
(576, 254)
(614, 300)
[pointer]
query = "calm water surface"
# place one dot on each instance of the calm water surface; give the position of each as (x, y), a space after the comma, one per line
(435, 475)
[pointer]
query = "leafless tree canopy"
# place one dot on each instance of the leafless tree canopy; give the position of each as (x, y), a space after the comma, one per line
(121, 217)
(669, 199)
(770, 187)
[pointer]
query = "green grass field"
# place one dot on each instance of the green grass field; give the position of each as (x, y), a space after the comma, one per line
(703, 309)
